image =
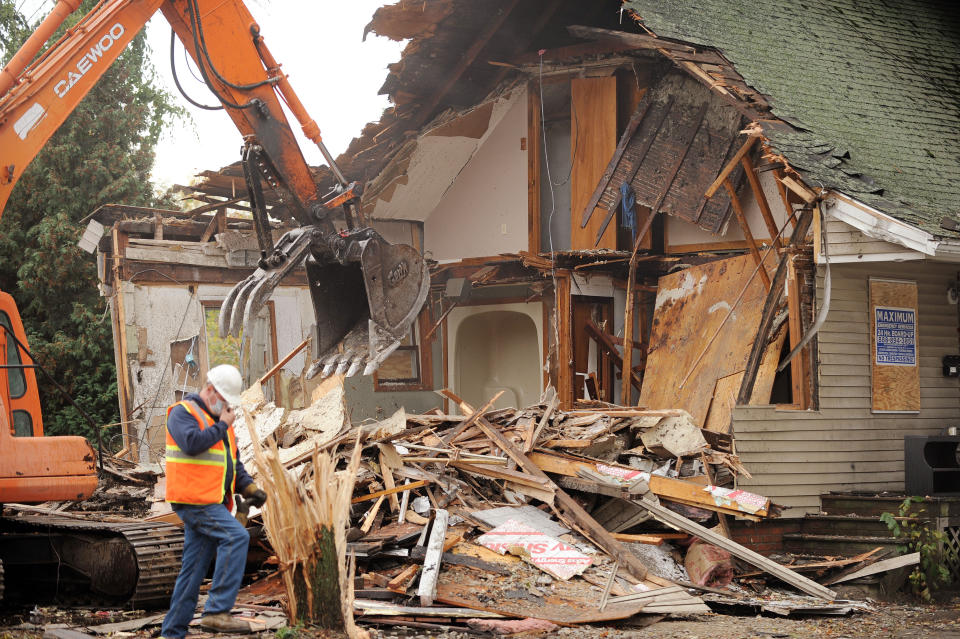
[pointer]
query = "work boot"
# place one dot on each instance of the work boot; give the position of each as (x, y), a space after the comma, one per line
(224, 622)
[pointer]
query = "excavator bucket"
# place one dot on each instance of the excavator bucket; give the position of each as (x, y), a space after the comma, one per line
(366, 293)
(365, 308)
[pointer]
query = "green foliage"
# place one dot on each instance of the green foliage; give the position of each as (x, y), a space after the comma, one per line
(917, 536)
(102, 154)
(288, 632)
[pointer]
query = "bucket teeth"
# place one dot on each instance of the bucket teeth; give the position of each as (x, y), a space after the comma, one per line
(365, 349)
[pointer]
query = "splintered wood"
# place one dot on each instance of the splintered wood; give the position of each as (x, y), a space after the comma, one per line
(305, 520)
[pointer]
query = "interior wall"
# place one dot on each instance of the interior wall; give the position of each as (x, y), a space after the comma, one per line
(496, 347)
(681, 233)
(484, 211)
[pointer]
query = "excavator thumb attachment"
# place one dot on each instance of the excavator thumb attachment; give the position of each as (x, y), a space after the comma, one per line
(366, 293)
(365, 303)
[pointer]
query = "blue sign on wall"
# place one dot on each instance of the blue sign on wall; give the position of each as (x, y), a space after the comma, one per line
(896, 336)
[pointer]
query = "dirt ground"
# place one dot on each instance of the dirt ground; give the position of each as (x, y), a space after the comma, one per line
(888, 620)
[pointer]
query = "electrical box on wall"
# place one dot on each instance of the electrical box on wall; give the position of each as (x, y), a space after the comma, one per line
(951, 365)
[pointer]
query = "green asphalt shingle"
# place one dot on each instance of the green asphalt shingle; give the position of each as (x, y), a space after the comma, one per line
(871, 86)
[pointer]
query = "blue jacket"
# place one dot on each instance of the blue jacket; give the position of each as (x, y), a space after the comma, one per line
(193, 441)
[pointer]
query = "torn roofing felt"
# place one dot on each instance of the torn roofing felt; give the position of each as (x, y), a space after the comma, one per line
(873, 90)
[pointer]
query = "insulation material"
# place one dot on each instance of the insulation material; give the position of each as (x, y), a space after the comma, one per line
(550, 555)
(738, 499)
(683, 365)
(708, 565)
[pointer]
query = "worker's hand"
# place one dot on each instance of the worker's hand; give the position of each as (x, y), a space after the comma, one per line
(227, 416)
(255, 496)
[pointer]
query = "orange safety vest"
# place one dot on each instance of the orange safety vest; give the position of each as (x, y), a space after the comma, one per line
(199, 479)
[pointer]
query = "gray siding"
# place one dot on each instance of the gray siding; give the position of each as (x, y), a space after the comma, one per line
(795, 456)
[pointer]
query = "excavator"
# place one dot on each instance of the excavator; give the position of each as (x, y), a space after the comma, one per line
(366, 292)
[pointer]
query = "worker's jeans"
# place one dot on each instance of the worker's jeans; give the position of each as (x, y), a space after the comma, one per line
(208, 531)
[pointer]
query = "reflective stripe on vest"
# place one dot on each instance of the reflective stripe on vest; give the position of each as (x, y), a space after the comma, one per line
(198, 479)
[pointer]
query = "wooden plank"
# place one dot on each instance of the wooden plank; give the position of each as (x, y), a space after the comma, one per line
(767, 372)
(534, 159)
(762, 202)
(390, 491)
(747, 233)
(799, 381)
(572, 510)
(769, 311)
(679, 522)
(883, 566)
(626, 396)
(895, 379)
(593, 103)
(564, 354)
(652, 539)
(720, 416)
(667, 488)
(606, 344)
(427, 589)
(730, 166)
(401, 582)
(805, 194)
(625, 139)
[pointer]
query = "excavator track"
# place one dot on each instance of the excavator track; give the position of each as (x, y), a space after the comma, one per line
(58, 558)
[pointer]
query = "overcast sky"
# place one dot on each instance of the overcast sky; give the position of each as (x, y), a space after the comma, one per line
(318, 42)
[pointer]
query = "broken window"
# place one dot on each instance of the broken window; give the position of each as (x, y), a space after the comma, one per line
(253, 353)
(408, 367)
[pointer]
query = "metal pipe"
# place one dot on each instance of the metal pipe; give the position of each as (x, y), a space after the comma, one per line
(28, 51)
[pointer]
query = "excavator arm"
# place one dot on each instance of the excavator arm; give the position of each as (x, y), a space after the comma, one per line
(365, 291)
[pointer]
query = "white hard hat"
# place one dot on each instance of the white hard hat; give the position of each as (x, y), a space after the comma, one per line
(226, 379)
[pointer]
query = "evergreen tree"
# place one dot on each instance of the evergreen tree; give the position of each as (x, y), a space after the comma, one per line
(102, 154)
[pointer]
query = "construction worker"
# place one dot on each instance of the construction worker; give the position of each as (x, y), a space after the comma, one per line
(203, 473)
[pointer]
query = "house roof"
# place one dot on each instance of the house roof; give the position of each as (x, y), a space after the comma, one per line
(872, 90)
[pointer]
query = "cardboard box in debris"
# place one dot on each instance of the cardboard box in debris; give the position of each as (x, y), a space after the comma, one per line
(564, 517)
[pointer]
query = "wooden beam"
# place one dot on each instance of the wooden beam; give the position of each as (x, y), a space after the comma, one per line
(286, 358)
(680, 522)
(805, 194)
(769, 311)
(564, 350)
(635, 40)
(627, 364)
(761, 199)
(466, 59)
(731, 165)
(390, 491)
(798, 373)
(427, 588)
(605, 343)
(534, 158)
(745, 227)
(575, 513)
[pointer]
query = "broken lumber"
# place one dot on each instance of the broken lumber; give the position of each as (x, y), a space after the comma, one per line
(882, 566)
(572, 510)
(427, 589)
(680, 522)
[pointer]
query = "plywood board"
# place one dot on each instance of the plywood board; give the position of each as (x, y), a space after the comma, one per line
(767, 371)
(593, 139)
(895, 373)
(691, 306)
(724, 400)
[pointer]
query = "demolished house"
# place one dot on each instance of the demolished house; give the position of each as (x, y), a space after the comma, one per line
(643, 204)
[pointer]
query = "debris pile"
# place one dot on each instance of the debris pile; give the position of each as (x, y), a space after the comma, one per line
(474, 520)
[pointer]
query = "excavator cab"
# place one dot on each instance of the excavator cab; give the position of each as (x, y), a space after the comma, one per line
(33, 468)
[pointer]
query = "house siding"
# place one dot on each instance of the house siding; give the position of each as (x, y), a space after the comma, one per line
(847, 243)
(795, 456)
